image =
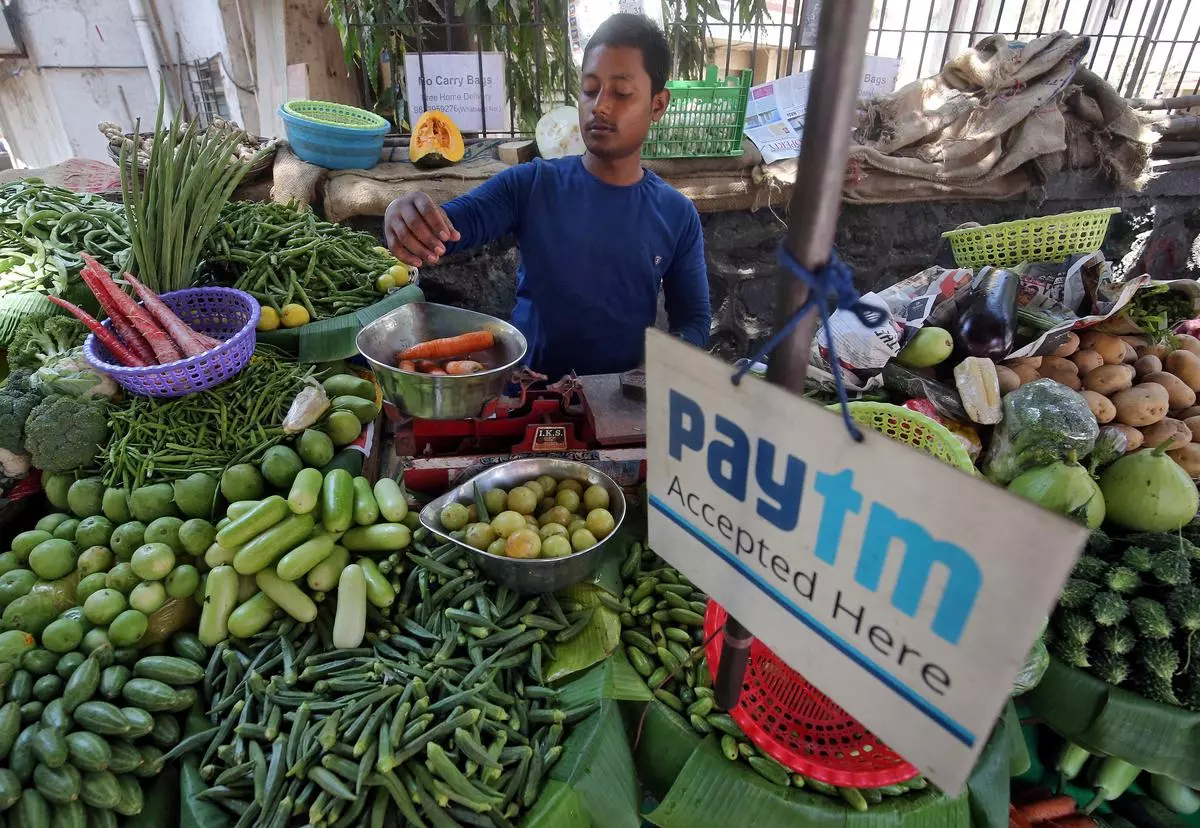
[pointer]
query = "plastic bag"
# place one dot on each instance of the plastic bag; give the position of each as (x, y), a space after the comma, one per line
(1043, 422)
(1037, 661)
(306, 409)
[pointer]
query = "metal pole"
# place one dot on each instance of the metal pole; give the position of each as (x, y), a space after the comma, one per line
(812, 222)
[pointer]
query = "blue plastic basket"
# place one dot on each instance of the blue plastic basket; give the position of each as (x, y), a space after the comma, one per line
(332, 135)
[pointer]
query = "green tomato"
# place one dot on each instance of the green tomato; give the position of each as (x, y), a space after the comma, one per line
(454, 516)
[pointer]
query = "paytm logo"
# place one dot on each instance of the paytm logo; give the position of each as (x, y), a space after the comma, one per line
(777, 485)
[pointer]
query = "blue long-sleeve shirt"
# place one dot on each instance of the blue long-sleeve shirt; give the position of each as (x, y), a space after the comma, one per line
(593, 256)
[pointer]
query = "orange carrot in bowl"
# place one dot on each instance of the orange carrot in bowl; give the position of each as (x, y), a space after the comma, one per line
(437, 372)
(450, 347)
(426, 366)
(407, 365)
(1056, 807)
(463, 367)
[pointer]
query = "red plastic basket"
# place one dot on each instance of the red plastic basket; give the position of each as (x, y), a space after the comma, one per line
(799, 726)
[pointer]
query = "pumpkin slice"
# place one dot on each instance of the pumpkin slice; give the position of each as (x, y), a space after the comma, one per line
(436, 141)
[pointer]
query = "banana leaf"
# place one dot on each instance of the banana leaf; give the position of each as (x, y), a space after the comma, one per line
(597, 641)
(662, 743)
(193, 812)
(614, 679)
(16, 306)
(559, 806)
(331, 339)
(597, 765)
(161, 804)
(608, 574)
(1115, 722)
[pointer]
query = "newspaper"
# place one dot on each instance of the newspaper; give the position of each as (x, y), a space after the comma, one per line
(1052, 338)
(776, 110)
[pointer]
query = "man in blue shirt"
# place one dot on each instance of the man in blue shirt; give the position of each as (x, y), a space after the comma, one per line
(598, 234)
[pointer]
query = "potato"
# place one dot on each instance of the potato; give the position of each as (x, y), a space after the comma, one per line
(1130, 353)
(1065, 378)
(1187, 342)
(1149, 364)
(1034, 362)
(1010, 380)
(1192, 411)
(1135, 341)
(1026, 372)
(1178, 393)
(1069, 346)
(1109, 379)
(1193, 424)
(1186, 366)
(1188, 458)
(1086, 361)
(1110, 347)
(1159, 351)
(1167, 430)
(1142, 405)
(1053, 364)
(1133, 437)
(1102, 408)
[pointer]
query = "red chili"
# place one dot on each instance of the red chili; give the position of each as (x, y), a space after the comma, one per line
(114, 345)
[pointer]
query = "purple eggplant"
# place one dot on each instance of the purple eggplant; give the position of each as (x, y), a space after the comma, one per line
(989, 325)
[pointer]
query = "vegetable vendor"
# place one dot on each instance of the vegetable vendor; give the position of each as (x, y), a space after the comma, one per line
(598, 234)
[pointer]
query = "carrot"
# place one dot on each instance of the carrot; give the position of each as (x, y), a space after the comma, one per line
(185, 338)
(1056, 807)
(125, 331)
(1076, 821)
(407, 365)
(452, 346)
(437, 372)
(426, 366)
(463, 367)
(117, 302)
(122, 354)
(1015, 820)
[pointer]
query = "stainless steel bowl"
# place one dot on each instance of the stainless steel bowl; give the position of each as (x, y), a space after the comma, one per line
(539, 574)
(439, 398)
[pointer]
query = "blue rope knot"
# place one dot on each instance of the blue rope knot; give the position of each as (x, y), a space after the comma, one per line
(836, 278)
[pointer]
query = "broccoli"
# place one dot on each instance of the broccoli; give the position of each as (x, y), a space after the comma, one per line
(1123, 580)
(1138, 558)
(17, 399)
(1111, 669)
(1183, 606)
(40, 339)
(1118, 640)
(1076, 593)
(65, 433)
(1109, 609)
(1150, 618)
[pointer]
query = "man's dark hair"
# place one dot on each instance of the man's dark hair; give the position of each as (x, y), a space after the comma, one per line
(639, 32)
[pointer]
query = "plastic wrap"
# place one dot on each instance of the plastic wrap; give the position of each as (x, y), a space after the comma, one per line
(1036, 663)
(1043, 422)
(908, 383)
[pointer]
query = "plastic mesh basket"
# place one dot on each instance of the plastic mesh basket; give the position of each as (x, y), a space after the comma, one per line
(913, 428)
(222, 313)
(335, 114)
(334, 136)
(704, 119)
(1044, 239)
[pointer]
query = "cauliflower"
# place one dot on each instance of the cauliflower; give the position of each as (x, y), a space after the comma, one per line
(17, 399)
(66, 433)
(41, 339)
(71, 375)
(13, 465)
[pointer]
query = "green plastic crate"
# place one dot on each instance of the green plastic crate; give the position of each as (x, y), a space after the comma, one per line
(705, 118)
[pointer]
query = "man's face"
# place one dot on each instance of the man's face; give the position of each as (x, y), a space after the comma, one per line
(616, 106)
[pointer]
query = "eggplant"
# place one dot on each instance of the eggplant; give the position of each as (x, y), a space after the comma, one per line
(989, 325)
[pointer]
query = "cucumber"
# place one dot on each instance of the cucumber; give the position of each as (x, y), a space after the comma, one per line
(112, 680)
(1175, 795)
(258, 520)
(350, 619)
(39, 661)
(166, 733)
(150, 695)
(342, 385)
(50, 747)
(55, 715)
(382, 537)
(266, 548)
(125, 757)
(140, 721)
(324, 576)
(365, 410)
(379, 590)
(366, 510)
(73, 814)
(82, 684)
(99, 789)
(187, 645)
(32, 810)
(102, 718)
(20, 686)
(220, 596)
(297, 563)
(47, 688)
(289, 597)
(337, 501)
(87, 751)
(306, 489)
(10, 789)
(239, 509)
(130, 802)
(10, 727)
(59, 784)
(252, 617)
(170, 669)
(21, 759)
(390, 498)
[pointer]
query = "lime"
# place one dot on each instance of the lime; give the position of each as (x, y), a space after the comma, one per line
(556, 546)
(57, 487)
(343, 427)
(150, 502)
(128, 628)
(165, 530)
(195, 494)
(480, 535)
(495, 500)
(86, 496)
(523, 544)
(94, 560)
(523, 500)
(115, 505)
(506, 523)
(600, 523)
(103, 605)
(196, 535)
(93, 531)
(153, 561)
(89, 585)
(280, 465)
(126, 538)
(242, 482)
(148, 596)
(453, 516)
(66, 529)
(596, 497)
(122, 578)
(583, 539)
(315, 448)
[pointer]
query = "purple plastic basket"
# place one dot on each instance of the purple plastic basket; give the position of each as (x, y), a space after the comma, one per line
(222, 313)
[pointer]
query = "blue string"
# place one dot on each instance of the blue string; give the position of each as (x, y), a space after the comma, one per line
(836, 278)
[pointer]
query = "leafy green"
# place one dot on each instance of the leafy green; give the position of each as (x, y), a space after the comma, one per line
(1155, 308)
(39, 340)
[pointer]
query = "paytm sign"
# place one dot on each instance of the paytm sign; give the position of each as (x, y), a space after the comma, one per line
(903, 588)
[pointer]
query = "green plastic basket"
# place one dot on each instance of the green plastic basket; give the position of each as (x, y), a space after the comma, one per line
(1044, 239)
(914, 428)
(324, 112)
(705, 118)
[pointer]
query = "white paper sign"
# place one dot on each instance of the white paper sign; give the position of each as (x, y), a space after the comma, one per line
(905, 590)
(452, 84)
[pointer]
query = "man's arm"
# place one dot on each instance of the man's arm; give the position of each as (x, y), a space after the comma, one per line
(685, 286)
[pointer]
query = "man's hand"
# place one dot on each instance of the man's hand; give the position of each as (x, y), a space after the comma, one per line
(416, 230)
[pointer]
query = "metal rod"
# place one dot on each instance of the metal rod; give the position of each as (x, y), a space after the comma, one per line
(812, 221)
